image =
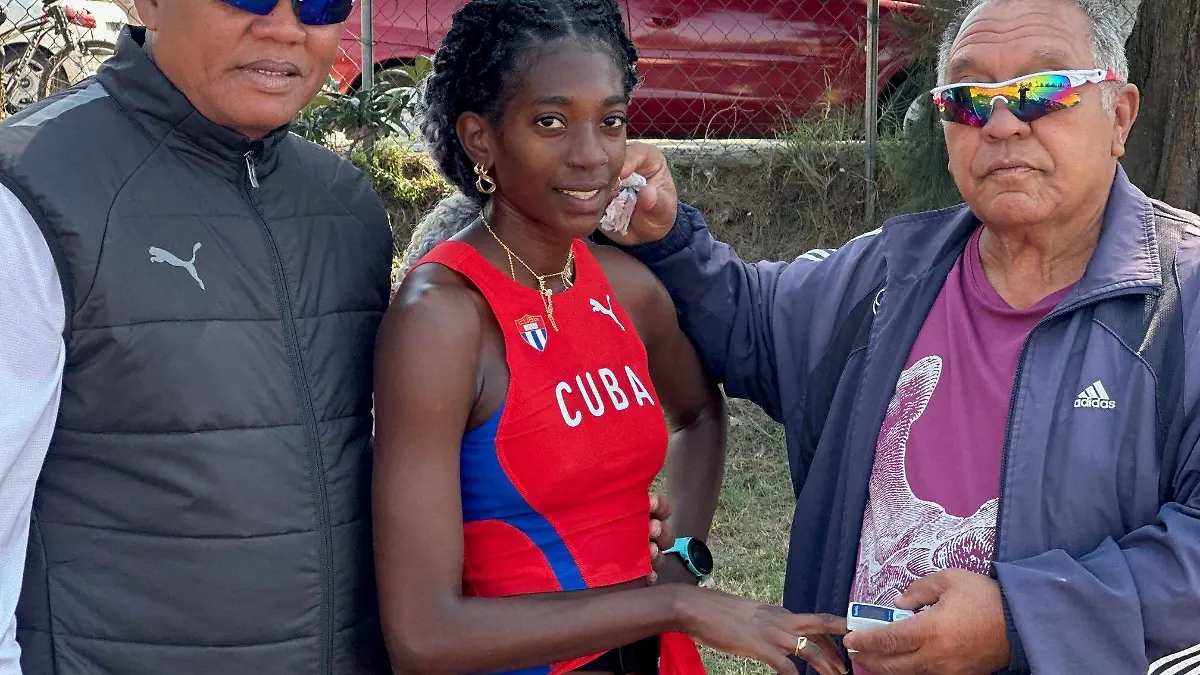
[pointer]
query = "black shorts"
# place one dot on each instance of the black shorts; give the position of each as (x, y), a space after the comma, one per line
(639, 658)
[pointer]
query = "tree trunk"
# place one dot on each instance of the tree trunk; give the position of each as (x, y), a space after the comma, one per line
(1163, 152)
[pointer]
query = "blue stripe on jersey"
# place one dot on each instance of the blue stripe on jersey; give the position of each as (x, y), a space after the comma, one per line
(489, 494)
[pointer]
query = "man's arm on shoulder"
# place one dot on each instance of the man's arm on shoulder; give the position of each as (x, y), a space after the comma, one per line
(750, 321)
(1130, 601)
(32, 353)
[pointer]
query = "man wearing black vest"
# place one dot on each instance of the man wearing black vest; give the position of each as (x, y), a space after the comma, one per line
(188, 303)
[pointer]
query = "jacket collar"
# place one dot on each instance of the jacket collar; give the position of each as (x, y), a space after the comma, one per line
(136, 84)
(1126, 254)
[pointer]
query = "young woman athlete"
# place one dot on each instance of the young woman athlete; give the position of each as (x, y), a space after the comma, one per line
(523, 378)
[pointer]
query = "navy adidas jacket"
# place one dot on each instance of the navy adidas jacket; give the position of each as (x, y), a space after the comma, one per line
(1097, 558)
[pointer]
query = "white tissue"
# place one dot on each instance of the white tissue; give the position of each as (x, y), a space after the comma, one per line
(620, 209)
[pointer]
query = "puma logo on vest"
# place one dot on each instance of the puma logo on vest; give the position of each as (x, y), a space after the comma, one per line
(158, 255)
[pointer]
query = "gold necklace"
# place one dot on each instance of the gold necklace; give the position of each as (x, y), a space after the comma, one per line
(546, 293)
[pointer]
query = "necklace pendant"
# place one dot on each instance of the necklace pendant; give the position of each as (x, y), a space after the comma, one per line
(548, 301)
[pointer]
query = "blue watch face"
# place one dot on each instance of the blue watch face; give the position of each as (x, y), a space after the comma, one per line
(700, 556)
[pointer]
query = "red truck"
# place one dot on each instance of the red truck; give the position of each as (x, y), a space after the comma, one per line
(711, 68)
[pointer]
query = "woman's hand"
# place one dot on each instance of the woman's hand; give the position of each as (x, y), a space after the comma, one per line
(761, 632)
(662, 535)
(666, 569)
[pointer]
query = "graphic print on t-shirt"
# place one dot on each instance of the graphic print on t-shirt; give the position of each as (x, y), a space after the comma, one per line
(905, 537)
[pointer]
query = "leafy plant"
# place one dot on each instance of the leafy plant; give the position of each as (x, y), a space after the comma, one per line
(406, 181)
(384, 110)
(416, 71)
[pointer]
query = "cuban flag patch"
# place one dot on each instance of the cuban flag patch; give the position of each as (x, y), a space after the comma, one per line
(533, 331)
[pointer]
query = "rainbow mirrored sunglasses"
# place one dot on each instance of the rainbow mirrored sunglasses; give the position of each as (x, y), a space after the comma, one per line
(310, 12)
(1027, 97)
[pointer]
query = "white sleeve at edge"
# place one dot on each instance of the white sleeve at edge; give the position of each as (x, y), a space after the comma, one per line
(32, 354)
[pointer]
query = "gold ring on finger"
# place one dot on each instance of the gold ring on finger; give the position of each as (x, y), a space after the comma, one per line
(801, 643)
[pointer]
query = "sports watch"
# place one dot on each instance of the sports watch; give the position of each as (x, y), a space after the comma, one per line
(695, 555)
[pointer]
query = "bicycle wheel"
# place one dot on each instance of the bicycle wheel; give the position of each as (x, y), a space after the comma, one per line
(23, 70)
(88, 57)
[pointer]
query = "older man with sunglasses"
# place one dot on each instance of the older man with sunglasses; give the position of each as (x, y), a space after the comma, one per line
(993, 410)
(189, 297)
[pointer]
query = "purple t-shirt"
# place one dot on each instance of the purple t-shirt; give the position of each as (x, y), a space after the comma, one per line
(936, 477)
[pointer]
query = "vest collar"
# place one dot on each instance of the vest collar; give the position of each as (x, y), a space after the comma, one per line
(137, 85)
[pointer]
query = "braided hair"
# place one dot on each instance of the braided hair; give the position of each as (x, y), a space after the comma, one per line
(485, 53)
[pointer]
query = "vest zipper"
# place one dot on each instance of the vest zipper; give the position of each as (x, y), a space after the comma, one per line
(300, 381)
(250, 172)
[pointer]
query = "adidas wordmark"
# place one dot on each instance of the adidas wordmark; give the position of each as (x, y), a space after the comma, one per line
(1095, 396)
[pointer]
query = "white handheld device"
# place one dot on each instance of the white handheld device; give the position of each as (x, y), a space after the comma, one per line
(864, 616)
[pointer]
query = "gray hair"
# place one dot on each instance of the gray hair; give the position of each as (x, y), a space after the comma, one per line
(1110, 26)
(451, 216)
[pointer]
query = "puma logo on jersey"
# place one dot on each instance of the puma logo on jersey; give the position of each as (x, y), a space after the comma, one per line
(585, 388)
(608, 310)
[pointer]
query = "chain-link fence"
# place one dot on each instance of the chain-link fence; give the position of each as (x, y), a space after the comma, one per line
(50, 45)
(718, 75)
(712, 70)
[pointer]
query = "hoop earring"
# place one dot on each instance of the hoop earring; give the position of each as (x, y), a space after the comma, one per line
(484, 182)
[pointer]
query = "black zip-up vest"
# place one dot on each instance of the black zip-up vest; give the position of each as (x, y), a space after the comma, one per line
(203, 508)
